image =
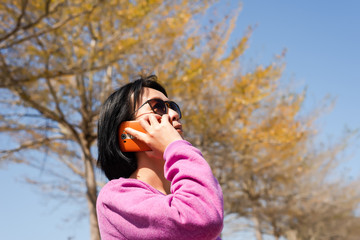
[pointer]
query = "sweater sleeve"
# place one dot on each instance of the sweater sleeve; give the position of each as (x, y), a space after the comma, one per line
(193, 210)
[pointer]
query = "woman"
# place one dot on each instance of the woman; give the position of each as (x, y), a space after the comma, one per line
(167, 193)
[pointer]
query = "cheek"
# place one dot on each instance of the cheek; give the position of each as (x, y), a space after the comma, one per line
(143, 115)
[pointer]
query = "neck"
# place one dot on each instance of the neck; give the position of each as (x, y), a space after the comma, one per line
(151, 171)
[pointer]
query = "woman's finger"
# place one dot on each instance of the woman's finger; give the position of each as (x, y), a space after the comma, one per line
(165, 119)
(154, 120)
(144, 123)
(137, 134)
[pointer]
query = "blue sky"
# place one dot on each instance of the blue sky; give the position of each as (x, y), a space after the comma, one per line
(323, 54)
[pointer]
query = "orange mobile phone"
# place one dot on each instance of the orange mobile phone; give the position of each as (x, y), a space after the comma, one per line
(127, 142)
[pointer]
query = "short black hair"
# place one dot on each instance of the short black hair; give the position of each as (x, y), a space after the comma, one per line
(120, 107)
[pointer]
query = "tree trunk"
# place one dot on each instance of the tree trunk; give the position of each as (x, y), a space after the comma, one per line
(91, 195)
(291, 235)
(256, 222)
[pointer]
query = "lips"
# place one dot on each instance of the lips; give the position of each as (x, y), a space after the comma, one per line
(178, 128)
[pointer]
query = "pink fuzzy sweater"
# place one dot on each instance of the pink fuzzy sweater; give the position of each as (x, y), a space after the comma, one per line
(131, 209)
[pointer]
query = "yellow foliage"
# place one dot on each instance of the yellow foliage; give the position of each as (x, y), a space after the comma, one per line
(248, 127)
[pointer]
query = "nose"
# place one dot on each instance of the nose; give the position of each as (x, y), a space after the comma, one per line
(174, 115)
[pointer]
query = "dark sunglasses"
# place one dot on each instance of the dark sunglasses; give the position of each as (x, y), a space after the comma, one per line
(161, 107)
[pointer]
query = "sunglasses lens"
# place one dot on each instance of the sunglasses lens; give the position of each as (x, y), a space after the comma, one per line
(158, 106)
(175, 107)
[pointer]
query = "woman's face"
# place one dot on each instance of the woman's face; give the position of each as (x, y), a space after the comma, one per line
(149, 93)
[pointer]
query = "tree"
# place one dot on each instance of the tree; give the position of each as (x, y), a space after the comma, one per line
(57, 67)
(60, 60)
(263, 150)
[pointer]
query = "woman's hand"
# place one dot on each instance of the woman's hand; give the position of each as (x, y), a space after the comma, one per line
(159, 133)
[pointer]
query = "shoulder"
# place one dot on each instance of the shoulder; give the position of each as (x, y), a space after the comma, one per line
(126, 186)
(123, 191)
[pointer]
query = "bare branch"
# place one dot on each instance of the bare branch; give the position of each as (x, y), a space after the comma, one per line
(75, 70)
(33, 24)
(25, 127)
(47, 12)
(35, 105)
(48, 30)
(18, 21)
(30, 145)
(73, 168)
(22, 115)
